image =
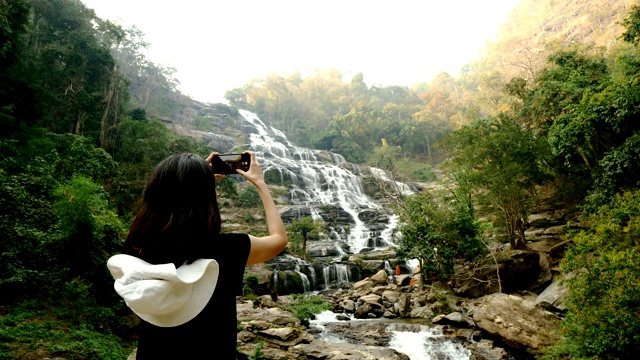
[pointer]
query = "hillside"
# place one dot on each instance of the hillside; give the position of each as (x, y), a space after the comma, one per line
(534, 29)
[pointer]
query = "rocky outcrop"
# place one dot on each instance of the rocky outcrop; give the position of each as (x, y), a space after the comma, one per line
(341, 351)
(553, 297)
(519, 322)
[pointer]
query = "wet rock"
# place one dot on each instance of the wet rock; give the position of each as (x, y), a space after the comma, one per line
(455, 318)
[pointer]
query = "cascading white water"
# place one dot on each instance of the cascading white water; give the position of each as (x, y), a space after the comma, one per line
(342, 272)
(314, 182)
(387, 267)
(305, 280)
(428, 344)
(425, 344)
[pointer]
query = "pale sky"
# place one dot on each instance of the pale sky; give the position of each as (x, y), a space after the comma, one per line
(219, 45)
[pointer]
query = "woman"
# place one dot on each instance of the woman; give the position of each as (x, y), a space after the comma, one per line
(178, 273)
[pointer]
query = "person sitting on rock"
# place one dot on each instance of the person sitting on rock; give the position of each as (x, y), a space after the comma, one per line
(178, 273)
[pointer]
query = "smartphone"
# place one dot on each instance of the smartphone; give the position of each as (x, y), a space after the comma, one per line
(224, 164)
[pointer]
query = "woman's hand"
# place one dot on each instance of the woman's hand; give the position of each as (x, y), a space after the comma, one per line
(217, 176)
(254, 175)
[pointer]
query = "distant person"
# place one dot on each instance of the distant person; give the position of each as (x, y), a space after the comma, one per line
(178, 273)
(397, 270)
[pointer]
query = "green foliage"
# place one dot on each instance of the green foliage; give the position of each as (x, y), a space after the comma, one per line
(306, 306)
(249, 198)
(251, 283)
(502, 162)
(28, 328)
(437, 232)
(227, 187)
(632, 23)
(603, 319)
(303, 230)
(257, 352)
(88, 228)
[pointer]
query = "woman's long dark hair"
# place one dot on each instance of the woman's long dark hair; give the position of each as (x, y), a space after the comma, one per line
(178, 217)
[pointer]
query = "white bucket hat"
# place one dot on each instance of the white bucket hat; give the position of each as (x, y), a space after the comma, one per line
(161, 294)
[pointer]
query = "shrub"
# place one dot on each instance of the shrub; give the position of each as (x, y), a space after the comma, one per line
(249, 198)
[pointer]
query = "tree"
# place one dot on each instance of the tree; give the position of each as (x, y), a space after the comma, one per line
(503, 162)
(436, 232)
(14, 16)
(305, 228)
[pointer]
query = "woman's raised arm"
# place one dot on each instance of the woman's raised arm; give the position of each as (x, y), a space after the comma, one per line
(265, 247)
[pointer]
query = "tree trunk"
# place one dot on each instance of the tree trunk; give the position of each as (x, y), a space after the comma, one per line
(304, 245)
(521, 241)
(107, 101)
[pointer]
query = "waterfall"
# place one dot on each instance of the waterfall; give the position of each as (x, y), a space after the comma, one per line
(335, 273)
(275, 279)
(305, 280)
(342, 271)
(387, 268)
(326, 273)
(319, 183)
(312, 272)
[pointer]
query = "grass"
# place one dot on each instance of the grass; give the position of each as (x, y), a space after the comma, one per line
(307, 306)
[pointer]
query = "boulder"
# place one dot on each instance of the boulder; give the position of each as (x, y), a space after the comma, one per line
(371, 298)
(553, 297)
(423, 312)
(275, 315)
(380, 277)
(368, 310)
(403, 306)
(385, 254)
(363, 285)
(391, 296)
(323, 249)
(347, 305)
(520, 323)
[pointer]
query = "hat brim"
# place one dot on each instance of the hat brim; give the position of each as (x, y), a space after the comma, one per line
(201, 276)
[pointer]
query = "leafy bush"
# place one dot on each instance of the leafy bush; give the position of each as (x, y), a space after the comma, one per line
(251, 283)
(227, 187)
(603, 319)
(29, 328)
(249, 198)
(436, 233)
